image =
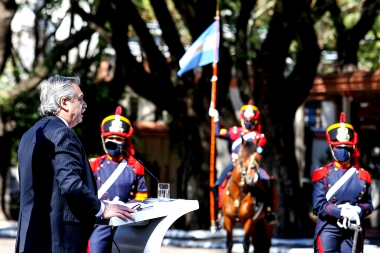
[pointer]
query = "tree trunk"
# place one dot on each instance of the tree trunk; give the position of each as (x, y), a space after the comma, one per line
(242, 56)
(8, 10)
(275, 97)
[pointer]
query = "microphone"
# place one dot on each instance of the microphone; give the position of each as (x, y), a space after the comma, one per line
(112, 146)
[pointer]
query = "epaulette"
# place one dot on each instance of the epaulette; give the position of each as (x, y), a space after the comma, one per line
(262, 140)
(95, 162)
(223, 132)
(139, 169)
(320, 173)
(235, 133)
(364, 175)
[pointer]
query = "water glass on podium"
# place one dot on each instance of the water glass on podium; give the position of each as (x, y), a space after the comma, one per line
(163, 191)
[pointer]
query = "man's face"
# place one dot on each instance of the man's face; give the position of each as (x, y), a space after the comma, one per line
(76, 107)
(119, 145)
(248, 124)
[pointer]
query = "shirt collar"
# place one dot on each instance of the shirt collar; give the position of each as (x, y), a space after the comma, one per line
(64, 121)
(342, 166)
(114, 159)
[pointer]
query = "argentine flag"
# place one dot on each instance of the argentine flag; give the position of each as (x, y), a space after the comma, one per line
(202, 51)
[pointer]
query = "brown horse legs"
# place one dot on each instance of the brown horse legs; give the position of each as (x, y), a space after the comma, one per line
(248, 234)
(229, 225)
(229, 243)
(246, 243)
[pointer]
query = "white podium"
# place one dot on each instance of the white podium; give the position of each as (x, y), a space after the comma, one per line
(145, 232)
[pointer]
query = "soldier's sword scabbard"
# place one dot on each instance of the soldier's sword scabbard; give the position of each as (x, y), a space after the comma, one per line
(357, 229)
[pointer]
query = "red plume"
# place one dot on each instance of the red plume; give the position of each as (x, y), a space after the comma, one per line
(355, 158)
(342, 118)
(250, 102)
(118, 110)
(139, 169)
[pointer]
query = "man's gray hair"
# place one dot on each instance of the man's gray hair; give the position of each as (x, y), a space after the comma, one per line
(53, 90)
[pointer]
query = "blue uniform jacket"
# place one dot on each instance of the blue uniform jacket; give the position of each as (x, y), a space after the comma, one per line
(126, 186)
(356, 191)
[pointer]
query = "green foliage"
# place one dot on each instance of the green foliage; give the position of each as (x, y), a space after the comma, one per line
(7, 82)
(177, 19)
(368, 53)
(326, 32)
(351, 19)
(145, 9)
(293, 49)
(263, 12)
(351, 11)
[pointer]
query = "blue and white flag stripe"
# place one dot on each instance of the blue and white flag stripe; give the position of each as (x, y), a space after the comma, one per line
(202, 51)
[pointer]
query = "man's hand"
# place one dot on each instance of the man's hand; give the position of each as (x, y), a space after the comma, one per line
(349, 213)
(116, 210)
(356, 209)
(213, 113)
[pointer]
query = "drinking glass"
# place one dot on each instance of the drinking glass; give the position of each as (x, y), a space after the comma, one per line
(163, 191)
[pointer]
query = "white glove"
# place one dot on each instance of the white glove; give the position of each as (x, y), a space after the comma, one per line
(355, 212)
(352, 209)
(349, 213)
(357, 209)
(213, 113)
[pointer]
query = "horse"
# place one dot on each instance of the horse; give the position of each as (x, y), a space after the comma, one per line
(239, 203)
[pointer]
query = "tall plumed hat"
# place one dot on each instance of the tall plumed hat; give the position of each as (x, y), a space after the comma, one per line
(116, 125)
(342, 133)
(249, 111)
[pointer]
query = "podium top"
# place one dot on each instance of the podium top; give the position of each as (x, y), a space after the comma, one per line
(150, 209)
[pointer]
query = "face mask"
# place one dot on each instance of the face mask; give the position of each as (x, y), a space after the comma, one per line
(117, 151)
(342, 154)
(248, 125)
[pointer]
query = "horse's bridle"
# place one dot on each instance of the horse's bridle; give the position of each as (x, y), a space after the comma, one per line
(244, 171)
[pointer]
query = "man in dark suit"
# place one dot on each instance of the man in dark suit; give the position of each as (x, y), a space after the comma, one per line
(59, 203)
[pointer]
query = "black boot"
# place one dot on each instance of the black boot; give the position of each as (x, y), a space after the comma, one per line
(270, 216)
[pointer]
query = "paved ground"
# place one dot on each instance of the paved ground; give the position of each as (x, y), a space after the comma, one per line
(7, 246)
(202, 241)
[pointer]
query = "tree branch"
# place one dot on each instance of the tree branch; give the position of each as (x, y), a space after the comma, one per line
(8, 10)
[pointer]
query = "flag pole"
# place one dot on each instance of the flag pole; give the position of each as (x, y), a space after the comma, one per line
(214, 80)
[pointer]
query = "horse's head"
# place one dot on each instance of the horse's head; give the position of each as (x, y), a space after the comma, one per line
(246, 163)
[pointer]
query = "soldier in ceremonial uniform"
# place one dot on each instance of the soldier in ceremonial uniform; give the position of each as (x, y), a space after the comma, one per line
(341, 193)
(250, 130)
(129, 185)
